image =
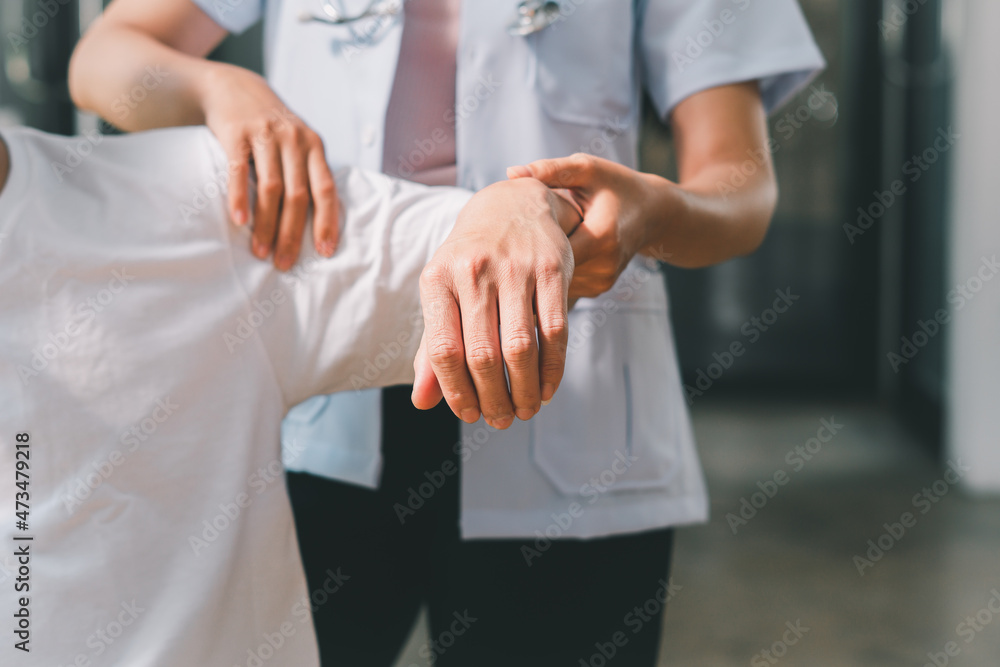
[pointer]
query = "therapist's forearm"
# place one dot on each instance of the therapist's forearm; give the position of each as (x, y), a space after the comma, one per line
(726, 193)
(707, 220)
(136, 82)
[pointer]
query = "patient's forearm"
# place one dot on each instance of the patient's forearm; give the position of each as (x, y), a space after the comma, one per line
(357, 319)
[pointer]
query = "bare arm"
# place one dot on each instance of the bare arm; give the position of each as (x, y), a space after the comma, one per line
(172, 38)
(158, 48)
(715, 211)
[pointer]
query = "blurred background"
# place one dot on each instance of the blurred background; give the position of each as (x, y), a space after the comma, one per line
(886, 229)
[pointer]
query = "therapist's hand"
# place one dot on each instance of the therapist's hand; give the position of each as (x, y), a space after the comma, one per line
(253, 124)
(719, 209)
(506, 262)
(616, 202)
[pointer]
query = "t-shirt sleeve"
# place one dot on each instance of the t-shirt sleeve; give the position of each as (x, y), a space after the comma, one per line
(352, 321)
(688, 46)
(233, 15)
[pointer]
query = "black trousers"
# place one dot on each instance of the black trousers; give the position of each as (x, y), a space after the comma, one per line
(581, 602)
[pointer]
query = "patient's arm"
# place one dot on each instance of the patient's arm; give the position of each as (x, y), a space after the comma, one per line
(355, 320)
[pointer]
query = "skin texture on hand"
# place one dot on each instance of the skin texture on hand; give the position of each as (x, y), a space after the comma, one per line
(506, 266)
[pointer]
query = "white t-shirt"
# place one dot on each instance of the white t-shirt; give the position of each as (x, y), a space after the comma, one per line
(151, 359)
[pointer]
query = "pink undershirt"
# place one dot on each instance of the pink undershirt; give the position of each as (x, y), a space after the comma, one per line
(419, 123)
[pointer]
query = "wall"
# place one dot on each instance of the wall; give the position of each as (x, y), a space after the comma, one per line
(973, 399)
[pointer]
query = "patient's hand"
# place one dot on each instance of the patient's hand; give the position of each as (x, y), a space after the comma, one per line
(507, 261)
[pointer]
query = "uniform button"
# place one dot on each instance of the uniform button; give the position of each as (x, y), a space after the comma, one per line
(368, 135)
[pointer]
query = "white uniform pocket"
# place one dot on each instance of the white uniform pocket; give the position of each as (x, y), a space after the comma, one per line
(613, 424)
(582, 75)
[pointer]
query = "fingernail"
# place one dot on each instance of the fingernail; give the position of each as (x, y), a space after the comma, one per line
(544, 403)
(470, 415)
(326, 248)
(524, 414)
(283, 262)
(240, 218)
(548, 391)
(259, 249)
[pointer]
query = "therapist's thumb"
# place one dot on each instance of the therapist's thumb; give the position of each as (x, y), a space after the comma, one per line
(576, 171)
(426, 388)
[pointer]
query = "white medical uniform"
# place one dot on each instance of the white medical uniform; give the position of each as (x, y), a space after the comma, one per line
(151, 358)
(575, 86)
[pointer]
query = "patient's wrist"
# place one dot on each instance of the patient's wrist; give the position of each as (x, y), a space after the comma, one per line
(567, 212)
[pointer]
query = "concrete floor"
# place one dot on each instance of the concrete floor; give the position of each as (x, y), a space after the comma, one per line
(793, 562)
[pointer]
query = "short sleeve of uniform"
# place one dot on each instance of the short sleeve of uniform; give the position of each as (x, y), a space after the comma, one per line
(691, 45)
(233, 15)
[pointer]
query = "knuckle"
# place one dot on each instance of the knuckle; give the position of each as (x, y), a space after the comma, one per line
(474, 265)
(262, 132)
(293, 130)
(433, 274)
(297, 195)
(518, 347)
(461, 399)
(325, 189)
(482, 357)
(311, 139)
(549, 266)
(271, 187)
(555, 329)
(445, 353)
(291, 244)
